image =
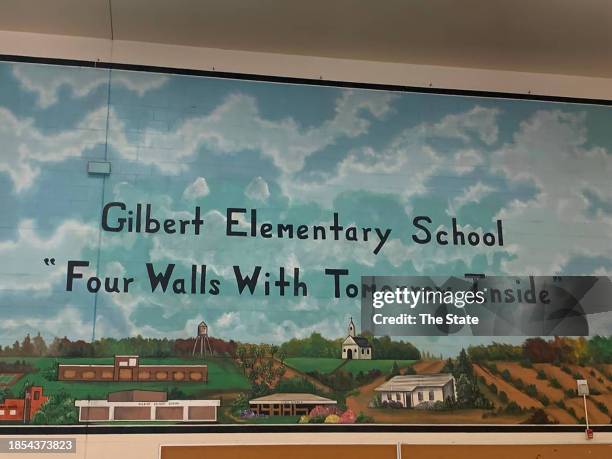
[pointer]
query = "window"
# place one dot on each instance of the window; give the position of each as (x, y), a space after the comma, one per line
(12, 412)
(431, 395)
(132, 362)
(362, 350)
(368, 350)
(123, 364)
(36, 395)
(1, 412)
(420, 396)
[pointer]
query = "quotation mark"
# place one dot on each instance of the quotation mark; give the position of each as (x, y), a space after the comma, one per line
(49, 261)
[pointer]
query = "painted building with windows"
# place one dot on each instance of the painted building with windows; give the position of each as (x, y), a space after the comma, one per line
(356, 347)
(144, 405)
(23, 409)
(413, 390)
(288, 404)
(128, 368)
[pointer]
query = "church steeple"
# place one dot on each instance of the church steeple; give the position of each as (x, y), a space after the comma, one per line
(351, 328)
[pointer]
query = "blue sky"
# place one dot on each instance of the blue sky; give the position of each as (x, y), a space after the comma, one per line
(296, 153)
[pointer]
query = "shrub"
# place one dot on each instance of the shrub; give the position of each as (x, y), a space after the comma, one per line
(554, 382)
(506, 376)
(531, 390)
(503, 397)
(526, 363)
(541, 374)
(332, 419)
(544, 400)
(601, 406)
(364, 419)
(513, 408)
(570, 393)
(519, 384)
(493, 388)
(571, 411)
(566, 369)
(539, 416)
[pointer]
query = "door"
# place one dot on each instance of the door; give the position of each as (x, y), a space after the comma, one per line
(349, 354)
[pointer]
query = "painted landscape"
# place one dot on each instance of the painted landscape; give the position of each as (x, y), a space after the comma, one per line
(532, 383)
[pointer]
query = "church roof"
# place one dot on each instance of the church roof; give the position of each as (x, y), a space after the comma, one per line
(361, 341)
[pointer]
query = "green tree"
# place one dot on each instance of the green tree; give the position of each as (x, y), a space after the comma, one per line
(59, 409)
(40, 347)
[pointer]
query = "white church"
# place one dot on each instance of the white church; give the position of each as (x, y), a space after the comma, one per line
(355, 347)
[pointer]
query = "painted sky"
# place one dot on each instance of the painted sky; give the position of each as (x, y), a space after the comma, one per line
(296, 153)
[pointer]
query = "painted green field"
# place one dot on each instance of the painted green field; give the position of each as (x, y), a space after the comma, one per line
(355, 366)
(223, 375)
(6, 378)
(307, 364)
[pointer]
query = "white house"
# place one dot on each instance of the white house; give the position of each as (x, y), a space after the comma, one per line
(355, 347)
(412, 390)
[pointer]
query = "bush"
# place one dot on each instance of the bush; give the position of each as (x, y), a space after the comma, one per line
(601, 406)
(519, 384)
(539, 416)
(554, 382)
(493, 388)
(513, 408)
(503, 397)
(531, 390)
(544, 400)
(570, 393)
(541, 374)
(526, 363)
(566, 369)
(506, 376)
(364, 419)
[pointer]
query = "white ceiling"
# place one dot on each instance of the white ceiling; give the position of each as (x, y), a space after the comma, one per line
(571, 37)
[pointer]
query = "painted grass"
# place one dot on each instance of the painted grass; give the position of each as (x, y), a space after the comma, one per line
(223, 375)
(355, 366)
(306, 364)
(6, 378)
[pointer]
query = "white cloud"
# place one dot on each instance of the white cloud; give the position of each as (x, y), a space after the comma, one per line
(479, 121)
(236, 125)
(405, 165)
(550, 152)
(257, 189)
(47, 81)
(67, 322)
(29, 249)
(25, 148)
(197, 189)
(472, 194)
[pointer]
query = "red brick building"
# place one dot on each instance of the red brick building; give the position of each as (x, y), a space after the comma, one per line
(23, 409)
(128, 368)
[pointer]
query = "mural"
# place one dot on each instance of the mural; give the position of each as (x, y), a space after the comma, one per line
(180, 249)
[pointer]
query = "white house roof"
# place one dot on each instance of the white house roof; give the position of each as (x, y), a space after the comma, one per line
(407, 383)
(292, 398)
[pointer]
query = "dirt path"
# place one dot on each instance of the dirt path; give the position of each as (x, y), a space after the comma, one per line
(428, 366)
(515, 395)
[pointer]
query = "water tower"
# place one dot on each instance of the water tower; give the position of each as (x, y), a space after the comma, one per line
(202, 340)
